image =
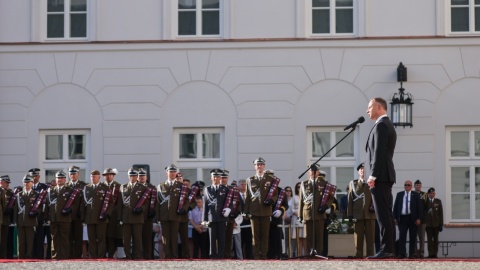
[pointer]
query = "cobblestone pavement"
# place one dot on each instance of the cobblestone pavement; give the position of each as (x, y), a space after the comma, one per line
(247, 264)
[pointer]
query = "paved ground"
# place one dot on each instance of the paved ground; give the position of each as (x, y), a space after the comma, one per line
(336, 264)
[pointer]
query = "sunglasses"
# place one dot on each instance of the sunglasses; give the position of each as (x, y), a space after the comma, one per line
(288, 190)
(407, 185)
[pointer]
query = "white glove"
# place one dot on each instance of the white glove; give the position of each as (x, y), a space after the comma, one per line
(328, 211)
(277, 213)
(226, 212)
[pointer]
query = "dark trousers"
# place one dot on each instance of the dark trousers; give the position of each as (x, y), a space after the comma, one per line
(170, 238)
(217, 241)
(201, 241)
(25, 241)
(317, 241)
(247, 249)
(76, 239)
(133, 233)
(325, 241)
(97, 240)
(147, 240)
(183, 232)
(48, 247)
(377, 237)
(383, 200)
(4, 235)
(39, 240)
(229, 240)
(275, 242)
(60, 240)
(406, 224)
(432, 238)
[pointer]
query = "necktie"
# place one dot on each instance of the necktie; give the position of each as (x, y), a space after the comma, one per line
(407, 204)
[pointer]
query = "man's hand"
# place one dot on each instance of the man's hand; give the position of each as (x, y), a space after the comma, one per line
(323, 208)
(277, 213)
(371, 182)
(268, 202)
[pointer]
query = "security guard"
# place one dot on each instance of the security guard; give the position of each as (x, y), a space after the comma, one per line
(114, 230)
(60, 217)
(258, 209)
(76, 229)
(26, 218)
(131, 217)
(149, 215)
(40, 230)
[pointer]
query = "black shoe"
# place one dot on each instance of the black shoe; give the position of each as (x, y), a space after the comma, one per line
(381, 255)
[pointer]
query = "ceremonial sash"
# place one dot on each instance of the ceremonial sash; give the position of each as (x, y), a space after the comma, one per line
(228, 200)
(115, 191)
(193, 193)
(329, 191)
(273, 189)
(106, 201)
(143, 199)
(236, 199)
(153, 194)
(38, 201)
(279, 200)
(13, 198)
(70, 200)
(183, 198)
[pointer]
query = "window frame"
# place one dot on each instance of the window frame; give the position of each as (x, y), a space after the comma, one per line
(332, 26)
(198, 23)
(471, 23)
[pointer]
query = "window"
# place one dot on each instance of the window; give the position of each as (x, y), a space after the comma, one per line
(199, 17)
(60, 149)
(341, 162)
(465, 16)
(66, 19)
(332, 17)
(198, 151)
(464, 172)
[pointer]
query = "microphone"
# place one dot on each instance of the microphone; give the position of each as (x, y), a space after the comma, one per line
(359, 121)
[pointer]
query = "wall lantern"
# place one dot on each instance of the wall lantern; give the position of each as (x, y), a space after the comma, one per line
(401, 105)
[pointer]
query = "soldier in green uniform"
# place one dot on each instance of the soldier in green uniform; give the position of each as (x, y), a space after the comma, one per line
(183, 224)
(310, 202)
(94, 195)
(149, 215)
(60, 220)
(5, 194)
(258, 209)
(130, 217)
(114, 230)
(230, 220)
(434, 222)
(360, 208)
(420, 248)
(76, 229)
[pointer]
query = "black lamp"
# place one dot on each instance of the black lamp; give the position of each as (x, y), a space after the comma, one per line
(401, 105)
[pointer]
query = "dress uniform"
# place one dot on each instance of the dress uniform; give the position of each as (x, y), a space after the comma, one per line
(258, 209)
(168, 195)
(131, 218)
(114, 230)
(57, 198)
(311, 195)
(76, 229)
(420, 248)
(40, 232)
(5, 216)
(149, 215)
(25, 218)
(230, 220)
(214, 198)
(360, 207)
(183, 224)
(434, 222)
(276, 233)
(93, 203)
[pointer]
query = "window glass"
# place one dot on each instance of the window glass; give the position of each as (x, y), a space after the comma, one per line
(321, 21)
(460, 179)
(76, 146)
(78, 25)
(187, 4)
(55, 26)
(320, 3)
(344, 3)
(459, 143)
(344, 148)
(476, 140)
(211, 4)
(78, 5)
(211, 145)
(55, 5)
(188, 145)
(320, 143)
(461, 204)
(210, 25)
(344, 21)
(53, 147)
(460, 19)
(344, 176)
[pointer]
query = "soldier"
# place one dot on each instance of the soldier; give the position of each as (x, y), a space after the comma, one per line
(59, 214)
(183, 224)
(26, 218)
(276, 233)
(131, 215)
(95, 212)
(40, 232)
(434, 222)
(76, 229)
(168, 195)
(214, 197)
(311, 194)
(230, 220)
(149, 214)
(420, 248)
(258, 209)
(246, 230)
(5, 194)
(114, 230)
(360, 208)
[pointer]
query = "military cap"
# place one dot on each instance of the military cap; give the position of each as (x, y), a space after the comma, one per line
(317, 166)
(95, 172)
(60, 174)
(171, 168)
(109, 171)
(141, 171)
(417, 182)
(361, 165)
(5, 178)
(73, 169)
(323, 173)
(259, 161)
(224, 173)
(216, 172)
(430, 190)
(34, 172)
(132, 172)
(200, 184)
(27, 178)
(179, 174)
(269, 171)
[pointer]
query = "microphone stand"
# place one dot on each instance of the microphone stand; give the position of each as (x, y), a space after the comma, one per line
(313, 167)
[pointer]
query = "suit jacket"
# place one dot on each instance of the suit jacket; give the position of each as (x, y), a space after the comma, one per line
(167, 201)
(26, 203)
(433, 213)
(359, 201)
(254, 204)
(416, 206)
(307, 206)
(92, 203)
(76, 215)
(56, 199)
(380, 147)
(128, 198)
(214, 202)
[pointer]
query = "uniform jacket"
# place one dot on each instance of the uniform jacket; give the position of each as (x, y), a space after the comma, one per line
(167, 201)
(127, 199)
(380, 147)
(359, 201)
(23, 205)
(4, 197)
(283, 208)
(114, 231)
(423, 198)
(306, 205)
(146, 207)
(416, 206)
(433, 213)
(92, 203)
(39, 187)
(56, 199)
(254, 203)
(214, 202)
(78, 200)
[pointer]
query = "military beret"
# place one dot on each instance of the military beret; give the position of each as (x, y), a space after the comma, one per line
(417, 182)
(5, 178)
(259, 161)
(361, 165)
(430, 190)
(171, 168)
(200, 184)
(27, 178)
(60, 174)
(109, 171)
(73, 169)
(95, 172)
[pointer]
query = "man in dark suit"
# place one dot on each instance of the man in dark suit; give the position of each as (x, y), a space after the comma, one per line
(5, 215)
(407, 212)
(380, 147)
(246, 228)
